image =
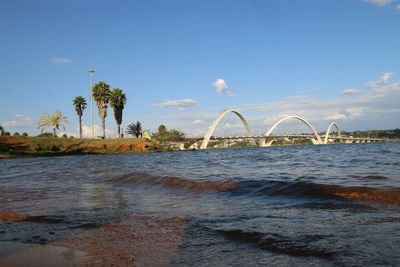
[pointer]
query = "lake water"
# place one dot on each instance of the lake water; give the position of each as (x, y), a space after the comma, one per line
(302, 205)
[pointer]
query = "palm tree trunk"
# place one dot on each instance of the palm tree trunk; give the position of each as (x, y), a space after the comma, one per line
(119, 130)
(80, 127)
(103, 122)
(54, 132)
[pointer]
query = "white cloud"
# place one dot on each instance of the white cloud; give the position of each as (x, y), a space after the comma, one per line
(19, 121)
(355, 112)
(98, 131)
(197, 121)
(386, 77)
(395, 86)
(178, 103)
(379, 2)
(393, 4)
(237, 125)
(333, 117)
(382, 85)
(61, 60)
(220, 86)
(351, 91)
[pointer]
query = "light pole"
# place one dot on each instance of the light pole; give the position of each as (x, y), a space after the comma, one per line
(91, 71)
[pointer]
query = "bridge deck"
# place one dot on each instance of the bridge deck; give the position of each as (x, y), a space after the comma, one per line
(294, 136)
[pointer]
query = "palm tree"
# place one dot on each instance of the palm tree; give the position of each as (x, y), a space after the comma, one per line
(1, 130)
(117, 102)
(101, 94)
(54, 121)
(135, 129)
(80, 105)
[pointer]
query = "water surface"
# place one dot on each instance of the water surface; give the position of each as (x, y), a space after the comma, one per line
(300, 205)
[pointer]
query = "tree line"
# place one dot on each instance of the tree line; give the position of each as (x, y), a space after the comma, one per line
(4, 132)
(103, 96)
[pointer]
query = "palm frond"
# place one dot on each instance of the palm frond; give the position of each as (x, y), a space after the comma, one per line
(135, 129)
(54, 120)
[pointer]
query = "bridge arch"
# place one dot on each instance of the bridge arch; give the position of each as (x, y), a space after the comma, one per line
(315, 141)
(329, 130)
(215, 123)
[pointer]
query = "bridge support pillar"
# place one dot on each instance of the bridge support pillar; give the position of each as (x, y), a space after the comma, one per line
(268, 143)
(316, 142)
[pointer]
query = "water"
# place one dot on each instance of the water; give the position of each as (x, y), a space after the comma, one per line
(306, 205)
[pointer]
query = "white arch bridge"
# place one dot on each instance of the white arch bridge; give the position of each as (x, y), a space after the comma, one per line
(267, 139)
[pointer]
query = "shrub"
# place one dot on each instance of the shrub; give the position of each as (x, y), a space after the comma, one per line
(25, 134)
(169, 135)
(16, 134)
(46, 134)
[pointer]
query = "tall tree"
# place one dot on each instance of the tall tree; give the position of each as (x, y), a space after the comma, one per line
(54, 121)
(80, 105)
(135, 129)
(101, 94)
(1, 130)
(117, 102)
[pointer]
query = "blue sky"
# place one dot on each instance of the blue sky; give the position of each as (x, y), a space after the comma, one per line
(182, 62)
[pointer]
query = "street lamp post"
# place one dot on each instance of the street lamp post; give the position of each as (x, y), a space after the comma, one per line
(91, 71)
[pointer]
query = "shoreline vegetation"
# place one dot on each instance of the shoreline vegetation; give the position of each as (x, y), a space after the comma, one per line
(25, 146)
(48, 144)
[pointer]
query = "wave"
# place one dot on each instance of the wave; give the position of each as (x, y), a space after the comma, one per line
(370, 177)
(174, 182)
(320, 191)
(268, 188)
(279, 244)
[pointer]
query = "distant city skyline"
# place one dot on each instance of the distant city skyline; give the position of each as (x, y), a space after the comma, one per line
(181, 63)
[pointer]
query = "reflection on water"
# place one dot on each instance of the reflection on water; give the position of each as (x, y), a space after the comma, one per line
(311, 205)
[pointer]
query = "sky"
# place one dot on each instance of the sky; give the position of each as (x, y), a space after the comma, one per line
(181, 63)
